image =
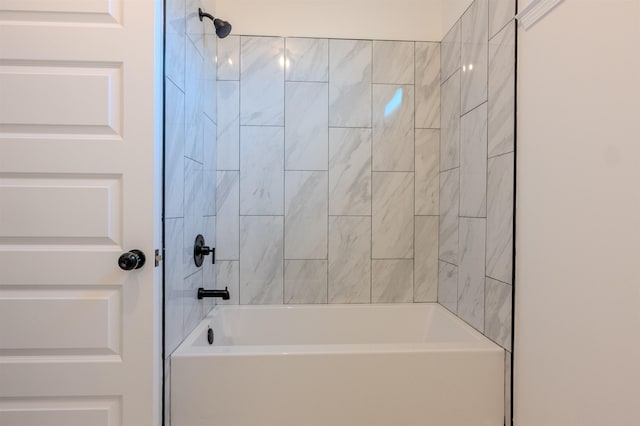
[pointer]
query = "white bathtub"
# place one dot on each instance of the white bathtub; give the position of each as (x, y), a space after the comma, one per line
(337, 365)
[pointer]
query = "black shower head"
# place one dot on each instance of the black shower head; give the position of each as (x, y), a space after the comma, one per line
(223, 28)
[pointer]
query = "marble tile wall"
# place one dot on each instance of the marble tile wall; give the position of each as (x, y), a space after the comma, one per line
(327, 170)
(191, 130)
(477, 172)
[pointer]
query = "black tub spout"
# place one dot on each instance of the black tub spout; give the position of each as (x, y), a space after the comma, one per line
(224, 294)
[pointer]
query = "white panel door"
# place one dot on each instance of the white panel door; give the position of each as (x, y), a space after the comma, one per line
(79, 337)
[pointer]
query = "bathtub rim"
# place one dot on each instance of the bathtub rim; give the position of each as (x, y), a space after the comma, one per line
(188, 348)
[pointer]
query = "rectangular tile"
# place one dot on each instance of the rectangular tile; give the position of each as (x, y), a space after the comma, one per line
(471, 271)
(475, 38)
(448, 286)
(262, 170)
(307, 126)
(427, 172)
(262, 76)
(392, 220)
(193, 309)
(194, 202)
(306, 210)
(349, 171)
(502, 74)
(450, 125)
(497, 307)
(393, 112)
(227, 215)
(451, 52)
(229, 58)
(174, 149)
(210, 81)
(307, 59)
(305, 281)
(228, 276)
(349, 259)
(228, 142)
(500, 12)
(393, 62)
(427, 85)
(210, 142)
(173, 282)
(449, 205)
(350, 83)
(261, 260)
(392, 281)
(174, 58)
(425, 287)
(500, 217)
(473, 163)
(194, 103)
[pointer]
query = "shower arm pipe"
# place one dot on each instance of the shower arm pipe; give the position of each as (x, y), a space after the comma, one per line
(202, 14)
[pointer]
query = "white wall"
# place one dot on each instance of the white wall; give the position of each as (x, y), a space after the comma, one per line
(577, 349)
(367, 19)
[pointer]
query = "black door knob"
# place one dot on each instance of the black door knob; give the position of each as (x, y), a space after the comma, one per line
(133, 259)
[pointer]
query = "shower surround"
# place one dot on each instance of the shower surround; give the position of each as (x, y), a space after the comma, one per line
(327, 170)
(477, 166)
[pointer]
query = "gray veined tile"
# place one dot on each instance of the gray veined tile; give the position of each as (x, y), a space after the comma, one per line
(261, 260)
(175, 17)
(448, 286)
(473, 163)
(307, 126)
(349, 171)
(427, 83)
(227, 215)
(194, 203)
(392, 281)
(193, 309)
(350, 83)
(471, 271)
(174, 146)
(449, 208)
(262, 76)
(210, 81)
(427, 172)
(498, 312)
(425, 287)
(210, 141)
(194, 103)
(500, 12)
(228, 143)
(393, 128)
(475, 39)
(228, 276)
(500, 217)
(173, 283)
(502, 70)
(229, 58)
(305, 281)
(450, 52)
(307, 59)
(393, 62)
(305, 215)
(262, 170)
(174, 59)
(450, 123)
(209, 192)
(392, 215)
(349, 259)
